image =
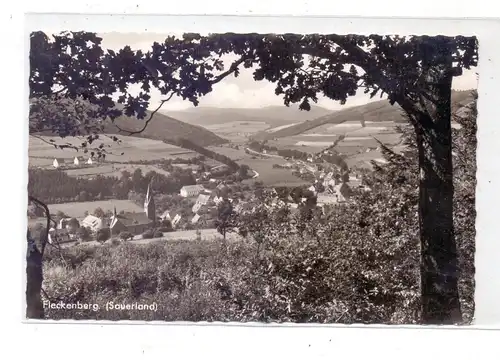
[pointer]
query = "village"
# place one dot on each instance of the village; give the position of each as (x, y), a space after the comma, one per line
(329, 184)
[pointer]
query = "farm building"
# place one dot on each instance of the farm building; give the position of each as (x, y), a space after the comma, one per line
(165, 216)
(71, 224)
(57, 163)
(203, 199)
(90, 161)
(59, 236)
(326, 199)
(330, 182)
(77, 160)
(195, 219)
(335, 194)
(191, 190)
(196, 207)
(176, 220)
(354, 182)
(135, 223)
(93, 223)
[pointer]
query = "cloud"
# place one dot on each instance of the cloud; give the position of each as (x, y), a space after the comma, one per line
(242, 91)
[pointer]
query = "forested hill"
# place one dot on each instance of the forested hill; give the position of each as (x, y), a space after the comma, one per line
(163, 127)
(376, 111)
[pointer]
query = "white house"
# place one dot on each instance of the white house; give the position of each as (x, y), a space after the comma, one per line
(58, 236)
(191, 190)
(196, 207)
(176, 220)
(165, 216)
(195, 219)
(76, 160)
(93, 223)
(90, 161)
(217, 200)
(57, 162)
(202, 199)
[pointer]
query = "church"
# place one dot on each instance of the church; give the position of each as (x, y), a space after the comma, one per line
(135, 223)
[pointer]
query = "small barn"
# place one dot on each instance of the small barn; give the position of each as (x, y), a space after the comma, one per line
(77, 160)
(191, 190)
(93, 223)
(58, 162)
(135, 223)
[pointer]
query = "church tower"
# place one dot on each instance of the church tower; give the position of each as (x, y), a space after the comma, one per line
(149, 205)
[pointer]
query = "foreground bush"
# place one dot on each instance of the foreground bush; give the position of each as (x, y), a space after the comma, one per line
(303, 280)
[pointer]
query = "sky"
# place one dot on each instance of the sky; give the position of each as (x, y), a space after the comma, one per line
(243, 91)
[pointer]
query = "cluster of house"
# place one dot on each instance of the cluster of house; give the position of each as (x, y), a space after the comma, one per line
(137, 223)
(77, 161)
(134, 223)
(204, 198)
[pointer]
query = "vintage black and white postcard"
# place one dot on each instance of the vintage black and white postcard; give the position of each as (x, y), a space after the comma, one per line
(252, 177)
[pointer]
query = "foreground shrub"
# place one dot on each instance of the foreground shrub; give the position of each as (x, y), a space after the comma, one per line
(126, 235)
(103, 234)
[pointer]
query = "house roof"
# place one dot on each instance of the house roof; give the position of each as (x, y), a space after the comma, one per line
(202, 199)
(128, 219)
(326, 199)
(193, 188)
(92, 221)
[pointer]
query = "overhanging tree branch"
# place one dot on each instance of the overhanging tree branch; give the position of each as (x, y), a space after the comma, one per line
(131, 132)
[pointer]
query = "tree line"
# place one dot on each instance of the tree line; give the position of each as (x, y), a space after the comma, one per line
(55, 187)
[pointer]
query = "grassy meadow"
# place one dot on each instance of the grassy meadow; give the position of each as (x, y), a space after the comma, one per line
(133, 149)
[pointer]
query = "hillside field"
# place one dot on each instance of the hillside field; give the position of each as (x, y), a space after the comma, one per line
(113, 170)
(77, 209)
(133, 149)
(237, 131)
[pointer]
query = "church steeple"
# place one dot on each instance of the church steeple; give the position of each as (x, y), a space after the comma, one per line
(149, 204)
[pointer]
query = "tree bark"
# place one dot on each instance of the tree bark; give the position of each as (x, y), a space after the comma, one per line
(439, 265)
(34, 279)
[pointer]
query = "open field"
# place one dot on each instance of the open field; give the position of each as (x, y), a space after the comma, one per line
(77, 209)
(133, 149)
(114, 169)
(234, 154)
(271, 176)
(237, 130)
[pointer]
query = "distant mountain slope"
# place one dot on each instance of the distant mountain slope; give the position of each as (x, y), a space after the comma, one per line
(376, 112)
(163, 127)
(272, 115)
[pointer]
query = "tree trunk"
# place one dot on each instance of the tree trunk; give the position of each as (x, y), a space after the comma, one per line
(34, 279)
(439, 266)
